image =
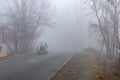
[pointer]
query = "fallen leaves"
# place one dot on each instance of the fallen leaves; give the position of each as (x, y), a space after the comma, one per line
(101, 75)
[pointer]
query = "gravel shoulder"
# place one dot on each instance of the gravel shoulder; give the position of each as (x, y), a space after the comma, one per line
(80, 67)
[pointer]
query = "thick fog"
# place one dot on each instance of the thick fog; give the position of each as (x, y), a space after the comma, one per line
(70, 31)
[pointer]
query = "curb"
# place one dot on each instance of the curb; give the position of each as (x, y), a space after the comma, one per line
(54, 74)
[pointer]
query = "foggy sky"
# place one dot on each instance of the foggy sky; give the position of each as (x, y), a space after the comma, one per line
(70, 32)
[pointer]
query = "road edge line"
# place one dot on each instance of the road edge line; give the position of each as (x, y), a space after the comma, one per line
(55, 73)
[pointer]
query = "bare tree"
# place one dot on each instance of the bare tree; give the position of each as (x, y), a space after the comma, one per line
(24, 19)
(107, 13)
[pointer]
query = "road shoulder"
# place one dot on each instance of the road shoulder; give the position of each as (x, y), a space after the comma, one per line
(15, 56)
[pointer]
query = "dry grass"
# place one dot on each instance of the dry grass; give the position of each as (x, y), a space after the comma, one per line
(104, 73)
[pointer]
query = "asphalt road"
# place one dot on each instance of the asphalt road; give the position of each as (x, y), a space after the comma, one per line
(31, 67)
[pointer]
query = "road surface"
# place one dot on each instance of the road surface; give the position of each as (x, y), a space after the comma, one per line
(31, 67)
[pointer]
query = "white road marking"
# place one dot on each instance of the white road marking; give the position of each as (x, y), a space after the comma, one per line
(32, 61)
